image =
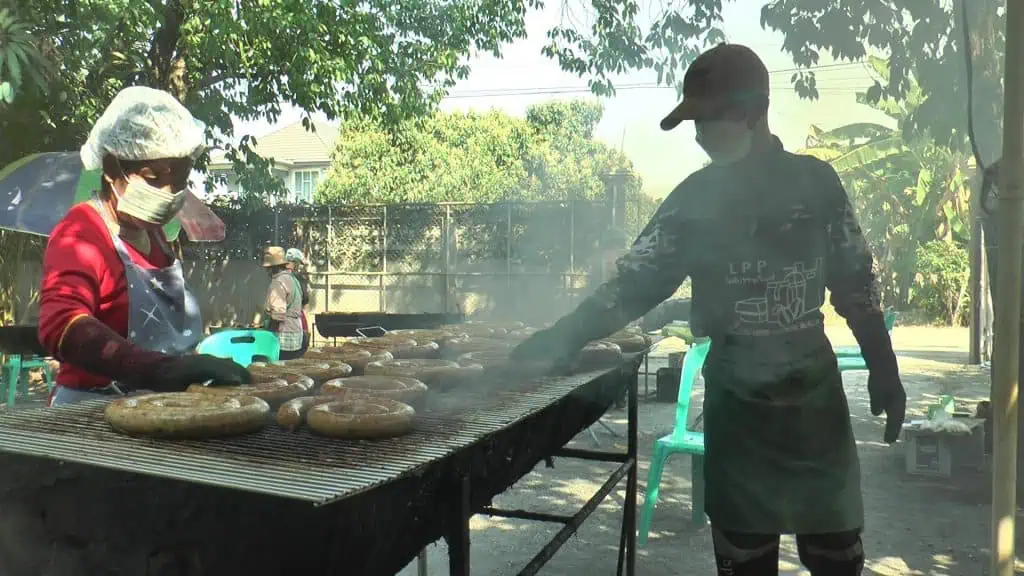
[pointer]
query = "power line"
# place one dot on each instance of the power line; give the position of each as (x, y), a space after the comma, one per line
(550, 90)
(556, 91)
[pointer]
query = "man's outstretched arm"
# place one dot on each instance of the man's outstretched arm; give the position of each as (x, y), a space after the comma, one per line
(649, 273)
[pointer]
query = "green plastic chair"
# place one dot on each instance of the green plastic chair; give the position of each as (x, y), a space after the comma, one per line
(242, 346)
(848, 363)
(680, 440)
(11, 381)
(854, 351)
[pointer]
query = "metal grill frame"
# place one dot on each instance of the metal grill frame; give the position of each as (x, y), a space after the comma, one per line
(298, 465)
(462, 492)
(463, 508)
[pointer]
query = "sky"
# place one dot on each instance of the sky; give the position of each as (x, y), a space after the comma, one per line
(524, 76)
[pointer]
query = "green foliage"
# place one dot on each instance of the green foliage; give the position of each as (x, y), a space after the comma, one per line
(389, 60)
(923, 41)
(471, 157)
(22, 64)
(381, 59)
(942, 276)
(907, 190)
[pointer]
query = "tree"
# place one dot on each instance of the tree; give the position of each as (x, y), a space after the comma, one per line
(471, 157)
(22, 64)
(921, 40)
(230, 60)
(909, 191)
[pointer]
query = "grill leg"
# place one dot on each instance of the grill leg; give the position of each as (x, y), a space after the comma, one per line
(458, 537)
(608, 428)
(627, 540)
(421, 563)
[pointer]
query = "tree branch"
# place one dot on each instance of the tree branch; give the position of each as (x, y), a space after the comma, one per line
(212, 80)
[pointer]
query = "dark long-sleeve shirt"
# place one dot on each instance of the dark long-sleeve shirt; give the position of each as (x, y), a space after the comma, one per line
(761, 241)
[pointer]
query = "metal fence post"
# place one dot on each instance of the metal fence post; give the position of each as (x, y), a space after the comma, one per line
(571, 287)
(508, 244)
(384, 259)
(330, 248)
(446, 231)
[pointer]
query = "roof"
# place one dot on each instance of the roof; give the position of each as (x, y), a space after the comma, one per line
(293, 144)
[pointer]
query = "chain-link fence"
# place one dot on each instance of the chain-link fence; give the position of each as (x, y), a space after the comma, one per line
(510, 258)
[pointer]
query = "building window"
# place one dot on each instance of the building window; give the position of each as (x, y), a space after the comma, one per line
(305, 184)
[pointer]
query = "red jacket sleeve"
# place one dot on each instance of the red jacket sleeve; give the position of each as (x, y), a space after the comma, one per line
(73, 270)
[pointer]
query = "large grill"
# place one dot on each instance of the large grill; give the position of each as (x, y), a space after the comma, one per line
(296, 465)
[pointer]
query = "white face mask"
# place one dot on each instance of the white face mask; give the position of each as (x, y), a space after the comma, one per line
(725, 142)
(149, 204)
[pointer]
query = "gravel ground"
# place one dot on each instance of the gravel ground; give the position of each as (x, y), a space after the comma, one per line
(915, 526)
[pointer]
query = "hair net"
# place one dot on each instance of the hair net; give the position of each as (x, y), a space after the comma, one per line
(294, 255)
(143, 124)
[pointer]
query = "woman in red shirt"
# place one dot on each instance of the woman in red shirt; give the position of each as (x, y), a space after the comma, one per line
(114, 307)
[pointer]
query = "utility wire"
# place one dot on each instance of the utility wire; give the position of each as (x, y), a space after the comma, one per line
(546, 90)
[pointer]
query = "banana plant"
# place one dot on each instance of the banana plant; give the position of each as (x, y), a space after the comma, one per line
(22, 64)
(907, 189)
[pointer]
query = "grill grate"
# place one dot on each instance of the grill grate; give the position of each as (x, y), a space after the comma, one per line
(297, 465)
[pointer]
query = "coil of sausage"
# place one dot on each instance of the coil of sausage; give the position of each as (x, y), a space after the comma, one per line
(319, 370)
(498, 367)
(599, 354)
(484, 329)
(629, 343)
(425, 335)
(465, 345)
(357, 359)
(186, 415)
(292, 413)
(439, 374)
(423, 349)
(263, 373)
(361, 419)
(274, 392)
(398, 347)
(401, 388)
(485, 358)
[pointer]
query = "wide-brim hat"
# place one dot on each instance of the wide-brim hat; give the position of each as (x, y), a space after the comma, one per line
(273, 256)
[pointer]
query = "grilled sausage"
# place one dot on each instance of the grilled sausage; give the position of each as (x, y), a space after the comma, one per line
(292, 413)
(186, 415)
(361, 418)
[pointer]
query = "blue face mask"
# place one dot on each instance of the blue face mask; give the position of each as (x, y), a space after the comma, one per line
(147, 203)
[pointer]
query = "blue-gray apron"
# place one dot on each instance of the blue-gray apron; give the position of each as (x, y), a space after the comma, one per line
(163, 315)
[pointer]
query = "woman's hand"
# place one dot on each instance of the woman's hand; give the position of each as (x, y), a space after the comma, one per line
(182, 371)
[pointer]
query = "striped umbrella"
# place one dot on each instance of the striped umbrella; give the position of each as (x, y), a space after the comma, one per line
(38, 190)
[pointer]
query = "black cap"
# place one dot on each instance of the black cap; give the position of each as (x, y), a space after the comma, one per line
(724, 73)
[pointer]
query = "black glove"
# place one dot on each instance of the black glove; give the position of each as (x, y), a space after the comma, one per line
(887, 395)
(549, 351)
(179, 372)
(884, 386)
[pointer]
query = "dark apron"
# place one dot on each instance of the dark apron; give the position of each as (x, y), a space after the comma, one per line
(163, 315)
(781, 458)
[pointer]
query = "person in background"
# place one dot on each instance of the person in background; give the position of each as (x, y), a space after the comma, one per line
(114, 308)
(284, 303)
(297, 262)
(761, 233)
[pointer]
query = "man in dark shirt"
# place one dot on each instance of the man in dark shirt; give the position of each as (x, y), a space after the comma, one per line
(761, 233)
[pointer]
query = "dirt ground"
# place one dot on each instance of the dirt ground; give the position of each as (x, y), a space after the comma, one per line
(915, 526)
